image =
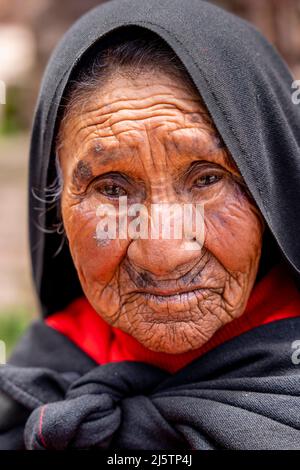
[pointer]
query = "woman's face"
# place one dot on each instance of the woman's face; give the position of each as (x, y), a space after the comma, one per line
(149, 138)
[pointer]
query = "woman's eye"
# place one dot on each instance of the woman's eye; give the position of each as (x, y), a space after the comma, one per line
(112, 190)
(207, 180)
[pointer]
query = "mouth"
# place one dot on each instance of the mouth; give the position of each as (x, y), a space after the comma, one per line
(178, 296)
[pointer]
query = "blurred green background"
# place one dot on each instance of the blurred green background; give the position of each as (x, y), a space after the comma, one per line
(29, 30)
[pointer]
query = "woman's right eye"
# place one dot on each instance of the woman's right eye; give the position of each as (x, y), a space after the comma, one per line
(111, 190)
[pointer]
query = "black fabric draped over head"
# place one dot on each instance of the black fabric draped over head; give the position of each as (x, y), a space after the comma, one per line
(246, 87)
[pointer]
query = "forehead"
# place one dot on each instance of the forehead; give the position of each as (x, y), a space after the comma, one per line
(124, 100)
(131, 113)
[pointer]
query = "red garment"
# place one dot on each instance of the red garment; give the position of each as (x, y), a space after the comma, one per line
(273, 298)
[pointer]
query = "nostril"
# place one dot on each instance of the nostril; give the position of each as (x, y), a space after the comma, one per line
(160, 258)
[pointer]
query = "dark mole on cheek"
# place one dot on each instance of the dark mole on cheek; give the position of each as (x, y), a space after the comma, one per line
(82, 173)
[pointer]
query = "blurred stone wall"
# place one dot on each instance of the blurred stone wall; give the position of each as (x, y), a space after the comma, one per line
(278, 20)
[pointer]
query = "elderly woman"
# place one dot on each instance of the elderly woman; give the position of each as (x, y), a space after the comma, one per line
(155, 342)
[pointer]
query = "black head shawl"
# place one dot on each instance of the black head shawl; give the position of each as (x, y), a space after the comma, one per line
(246, 87)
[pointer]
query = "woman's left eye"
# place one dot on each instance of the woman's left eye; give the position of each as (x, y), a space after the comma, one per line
(207, 180)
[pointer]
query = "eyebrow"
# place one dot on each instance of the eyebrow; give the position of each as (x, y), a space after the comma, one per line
(81, 173)
(188, 146)
(97, 154)
(104, 155)
(196, 145)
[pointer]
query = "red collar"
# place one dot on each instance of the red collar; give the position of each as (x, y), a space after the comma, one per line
(273, 298)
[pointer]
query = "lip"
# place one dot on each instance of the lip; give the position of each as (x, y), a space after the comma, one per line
(170, 292)
(178, 296)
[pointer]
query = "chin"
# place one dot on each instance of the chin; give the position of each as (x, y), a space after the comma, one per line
(171, 337)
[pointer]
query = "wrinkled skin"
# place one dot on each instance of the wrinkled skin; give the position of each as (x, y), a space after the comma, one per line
(155, 143)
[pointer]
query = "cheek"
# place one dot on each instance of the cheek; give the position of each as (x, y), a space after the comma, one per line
(95, 260)
(233, 231)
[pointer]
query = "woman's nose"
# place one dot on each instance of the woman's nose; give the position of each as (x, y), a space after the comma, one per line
(164, 257)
